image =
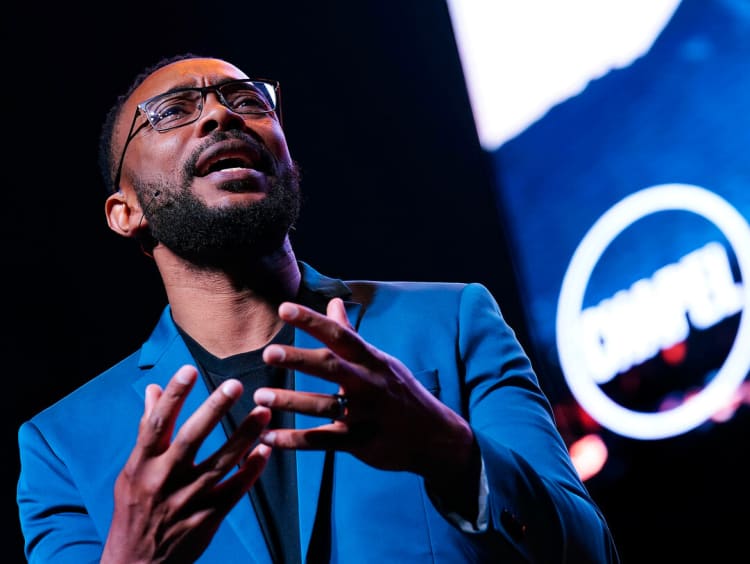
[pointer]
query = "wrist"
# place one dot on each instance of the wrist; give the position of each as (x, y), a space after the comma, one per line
(453, 456)
(456, 484)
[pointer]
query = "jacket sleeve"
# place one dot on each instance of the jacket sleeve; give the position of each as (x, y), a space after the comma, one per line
(56, 525)
(536, 499)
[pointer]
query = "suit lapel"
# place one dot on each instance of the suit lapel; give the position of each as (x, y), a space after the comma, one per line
(310, 463)
(242, 519)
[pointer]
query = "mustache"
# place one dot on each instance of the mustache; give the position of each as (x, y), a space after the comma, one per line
(268, 162)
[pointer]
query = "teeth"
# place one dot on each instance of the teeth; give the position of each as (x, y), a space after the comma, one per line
(229, 163)
(228, 169)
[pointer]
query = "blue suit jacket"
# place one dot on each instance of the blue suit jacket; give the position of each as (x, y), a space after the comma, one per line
(454, 339)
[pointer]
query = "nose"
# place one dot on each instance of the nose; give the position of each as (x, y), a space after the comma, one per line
(216, 115)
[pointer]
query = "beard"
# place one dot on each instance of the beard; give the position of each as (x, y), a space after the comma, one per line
(220, 237)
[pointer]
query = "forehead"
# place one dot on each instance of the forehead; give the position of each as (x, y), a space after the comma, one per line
(188, 72)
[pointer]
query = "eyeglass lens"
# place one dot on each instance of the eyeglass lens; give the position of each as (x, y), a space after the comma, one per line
(178, 108)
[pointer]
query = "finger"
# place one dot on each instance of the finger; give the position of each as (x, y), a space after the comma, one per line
(231, 490)
(217, 502)
(320, 405)
(238, 444)
(197, 427)
(322, 363)
(333, 436)
(335, 310)
(340, 337)
(161, 409)
(153, 393)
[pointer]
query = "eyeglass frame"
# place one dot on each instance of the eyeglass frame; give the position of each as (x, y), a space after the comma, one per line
(204, 90)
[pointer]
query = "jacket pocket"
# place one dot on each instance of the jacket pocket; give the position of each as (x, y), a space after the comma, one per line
(429, 379)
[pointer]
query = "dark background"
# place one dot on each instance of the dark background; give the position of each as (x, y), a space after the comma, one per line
(395, 184)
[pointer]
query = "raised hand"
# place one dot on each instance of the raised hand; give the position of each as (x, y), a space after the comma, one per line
(389, 421)
(167, 507)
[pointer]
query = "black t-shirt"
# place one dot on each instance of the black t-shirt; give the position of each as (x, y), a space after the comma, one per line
(274, 495)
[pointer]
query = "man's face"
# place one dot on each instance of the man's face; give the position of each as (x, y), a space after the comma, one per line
(221, 186)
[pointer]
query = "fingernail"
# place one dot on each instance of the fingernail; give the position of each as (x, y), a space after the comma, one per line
(289, 311)
(274, 354)
(268, 438)
(264, 397)
(264, 450)
(184, 376)
(231, 389)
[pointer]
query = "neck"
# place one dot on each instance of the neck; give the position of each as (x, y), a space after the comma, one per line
(233, 310)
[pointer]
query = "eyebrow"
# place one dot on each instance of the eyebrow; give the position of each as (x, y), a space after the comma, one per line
(189, 86)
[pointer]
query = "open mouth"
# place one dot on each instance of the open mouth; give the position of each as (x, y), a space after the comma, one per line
(233, 155)
(228, 163)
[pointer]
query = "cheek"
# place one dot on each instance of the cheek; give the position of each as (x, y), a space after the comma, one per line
(274, 138)
(156, 157)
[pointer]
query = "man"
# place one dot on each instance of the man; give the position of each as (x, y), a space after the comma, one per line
(275, 414)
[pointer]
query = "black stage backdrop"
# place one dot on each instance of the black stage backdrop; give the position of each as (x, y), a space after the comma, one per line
(376, 113)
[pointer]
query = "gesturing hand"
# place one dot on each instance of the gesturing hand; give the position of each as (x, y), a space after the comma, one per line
(167, 508)
(390, 422)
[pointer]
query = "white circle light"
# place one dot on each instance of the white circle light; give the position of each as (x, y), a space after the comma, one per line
(719, 391)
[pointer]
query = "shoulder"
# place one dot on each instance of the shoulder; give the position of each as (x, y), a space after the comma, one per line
(415, 291)
(369, 291)
(417, 304)
(93, 400)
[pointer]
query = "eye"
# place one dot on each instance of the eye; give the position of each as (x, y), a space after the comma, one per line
(248, 99)
(170, 110)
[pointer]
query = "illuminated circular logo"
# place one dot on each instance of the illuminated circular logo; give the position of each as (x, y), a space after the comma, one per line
(585, 370)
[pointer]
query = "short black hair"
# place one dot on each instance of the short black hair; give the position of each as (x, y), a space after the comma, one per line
(107, 162)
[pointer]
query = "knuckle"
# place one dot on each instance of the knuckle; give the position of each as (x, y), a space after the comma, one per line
(155, 422)
(139, 483)
(380, 362)
(217, 401)
(339, 332)
(151, 427)
(329, 360)
(209, 478)
(183, 441)
(128, 474)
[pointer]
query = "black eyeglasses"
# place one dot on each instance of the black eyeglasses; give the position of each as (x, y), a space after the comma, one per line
(183, 106)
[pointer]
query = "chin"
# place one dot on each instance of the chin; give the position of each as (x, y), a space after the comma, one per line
(230, 199)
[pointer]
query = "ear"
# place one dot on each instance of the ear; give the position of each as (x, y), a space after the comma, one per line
(124, 214)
